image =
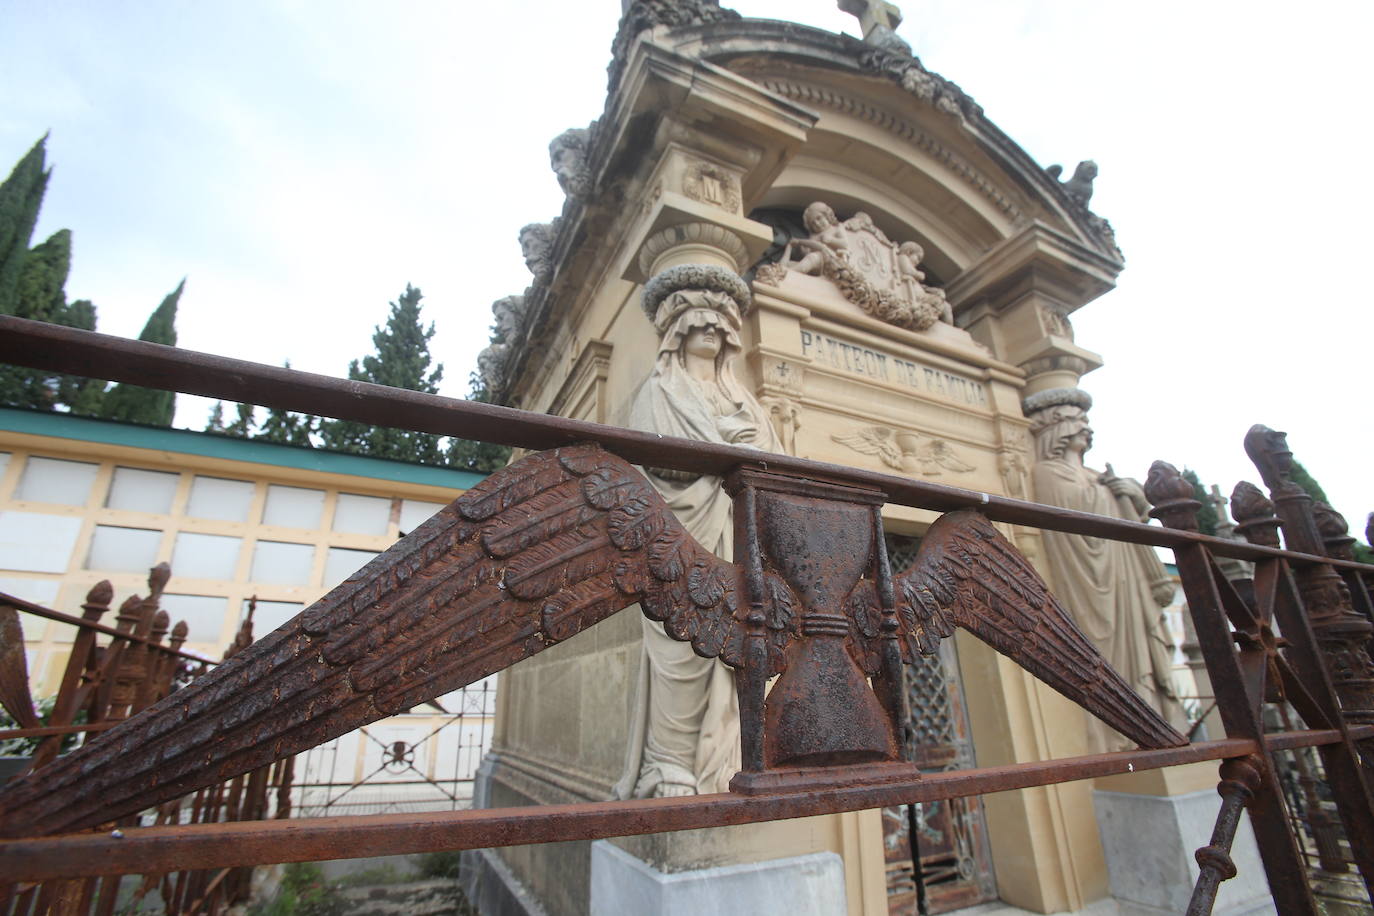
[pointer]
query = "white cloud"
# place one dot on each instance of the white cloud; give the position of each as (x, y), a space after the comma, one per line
(302, 162)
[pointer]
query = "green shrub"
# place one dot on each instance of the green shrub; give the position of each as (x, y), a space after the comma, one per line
(304, 891)
(443, 864)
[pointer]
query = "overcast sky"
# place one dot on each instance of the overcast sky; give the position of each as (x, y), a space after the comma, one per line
(300, 162)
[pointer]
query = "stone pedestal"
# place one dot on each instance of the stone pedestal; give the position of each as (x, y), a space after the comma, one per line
(1151, 823)
(808, 885)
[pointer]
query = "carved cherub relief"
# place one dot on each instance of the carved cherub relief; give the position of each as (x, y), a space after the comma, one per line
(870, 270)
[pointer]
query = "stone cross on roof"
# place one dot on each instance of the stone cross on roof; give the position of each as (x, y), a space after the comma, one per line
(872, 14)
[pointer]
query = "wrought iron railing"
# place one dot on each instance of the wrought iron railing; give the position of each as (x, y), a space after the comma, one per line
(749, 614)
(113, 673)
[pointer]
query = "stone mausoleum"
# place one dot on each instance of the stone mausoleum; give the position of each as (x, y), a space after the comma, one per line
(897, 278)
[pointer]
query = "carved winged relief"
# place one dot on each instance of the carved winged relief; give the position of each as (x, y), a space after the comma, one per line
(558, 542)
(904, 451)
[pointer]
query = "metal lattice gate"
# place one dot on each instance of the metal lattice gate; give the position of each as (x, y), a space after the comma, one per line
(956, 861)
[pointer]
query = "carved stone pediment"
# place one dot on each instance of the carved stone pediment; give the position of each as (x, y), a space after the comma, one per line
(870, 270)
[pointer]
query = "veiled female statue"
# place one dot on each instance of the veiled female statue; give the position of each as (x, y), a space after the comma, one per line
(684, 732)
(1116, 591)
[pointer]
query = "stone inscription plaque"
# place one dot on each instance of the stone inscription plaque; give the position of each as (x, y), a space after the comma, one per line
(896, 370)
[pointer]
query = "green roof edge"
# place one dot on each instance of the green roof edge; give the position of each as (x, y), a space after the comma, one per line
(211, 445)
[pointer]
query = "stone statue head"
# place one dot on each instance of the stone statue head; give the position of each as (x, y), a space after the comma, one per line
(568, 158)
(1059, 422)
(913, 251)
(536, 243)
(1059, 430)
(692, 298)
(819, 217)
(690, 315)
(491, 365)
(510, 313)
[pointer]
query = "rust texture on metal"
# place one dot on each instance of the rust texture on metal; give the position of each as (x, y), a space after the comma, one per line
(15, 698)
(1240, 777)
(1238, 677)
(313, 839)
(1326, 643)
(1340, 545)
(1342, 633)
(567, 537)
(1250, 665)
(108, 684)
(88, 623)
(87, 353)
(521, 562)
(553, 544)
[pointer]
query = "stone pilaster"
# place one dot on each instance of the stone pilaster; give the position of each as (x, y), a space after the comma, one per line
(1018, 298)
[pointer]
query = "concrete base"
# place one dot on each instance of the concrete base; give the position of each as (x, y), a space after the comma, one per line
(810, 885)
(1149, 842)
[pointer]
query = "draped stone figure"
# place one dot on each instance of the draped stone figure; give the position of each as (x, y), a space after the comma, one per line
(1116, 591)
(684, 731)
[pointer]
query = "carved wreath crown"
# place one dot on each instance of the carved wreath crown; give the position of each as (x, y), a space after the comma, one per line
(705, 277)
(1057, 397)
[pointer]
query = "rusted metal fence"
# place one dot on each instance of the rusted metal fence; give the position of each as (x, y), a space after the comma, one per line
(106, 681)
(565, 538)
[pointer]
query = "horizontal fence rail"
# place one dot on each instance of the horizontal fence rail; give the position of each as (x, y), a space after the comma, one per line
(48, 613)
(311, 839)
(1320, 664)
(118, 359)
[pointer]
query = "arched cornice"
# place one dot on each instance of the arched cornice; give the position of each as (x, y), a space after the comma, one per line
(777, 54)
(816, 95)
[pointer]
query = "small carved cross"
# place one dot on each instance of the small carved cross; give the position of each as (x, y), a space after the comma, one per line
(873, 13)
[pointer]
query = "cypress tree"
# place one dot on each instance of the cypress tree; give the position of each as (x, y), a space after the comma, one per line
(401, 360)
(1305, 480)
(136, 404)
(39, 295)
(286, 427)
(83, 396)
(1300, 476)
(484, 457)
(32, 285)
(215, 424)
(242, 427)
(21, 196)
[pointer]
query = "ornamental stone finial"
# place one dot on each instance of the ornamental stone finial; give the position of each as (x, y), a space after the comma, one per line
(1079, 188)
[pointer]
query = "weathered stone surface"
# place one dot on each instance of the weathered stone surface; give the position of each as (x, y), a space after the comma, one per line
(811, 885)
(1149, 842)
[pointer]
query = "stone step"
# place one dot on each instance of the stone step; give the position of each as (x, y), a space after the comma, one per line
(432, 897)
